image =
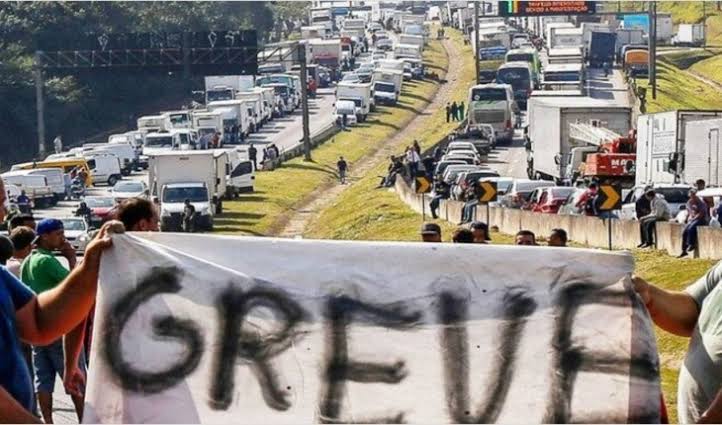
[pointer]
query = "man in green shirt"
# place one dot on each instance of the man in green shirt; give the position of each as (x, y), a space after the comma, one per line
(43, 272)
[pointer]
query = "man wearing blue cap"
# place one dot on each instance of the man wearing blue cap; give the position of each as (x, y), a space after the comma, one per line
(41, 320)
(42, 272)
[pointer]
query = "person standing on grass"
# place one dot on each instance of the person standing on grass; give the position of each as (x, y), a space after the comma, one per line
(252, 156)
(454, 111)
(448, 112)
(461, 111)
(342, 167)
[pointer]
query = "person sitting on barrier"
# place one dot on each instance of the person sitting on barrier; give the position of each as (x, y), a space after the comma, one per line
(480, 230)
(467, 212)
(698, 216)
(693, 313)
(525, 237)
(558, 238)
(659, 211)
(441, 191)
(431, 232)
(462, 235)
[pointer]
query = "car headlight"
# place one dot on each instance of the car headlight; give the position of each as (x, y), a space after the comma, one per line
(83, 238)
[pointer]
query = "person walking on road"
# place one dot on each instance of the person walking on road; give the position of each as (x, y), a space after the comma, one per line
(448, 112)
(58, 144)
(253, 155)
(454, 111)
(42, 272)
(461, 111)
(659, 211)
(342, 167)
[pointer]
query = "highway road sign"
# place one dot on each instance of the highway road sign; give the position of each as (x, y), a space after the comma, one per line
(423, 184)
(610, 197)
(545, 8)
(486, 192)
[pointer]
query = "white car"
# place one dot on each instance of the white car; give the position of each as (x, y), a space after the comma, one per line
(129, 189)
(76, 232)
(348, 108)
(676, 196)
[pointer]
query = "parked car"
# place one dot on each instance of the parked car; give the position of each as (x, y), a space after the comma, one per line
(460, 145)
(452, 171)
(466, 179)
(76, 232)
(443, 164)
(129, 189)
(466, 159)
(548, 200)
(569, 206)
(100, 207)
(351, 77)
(520, 191)
(676, 196)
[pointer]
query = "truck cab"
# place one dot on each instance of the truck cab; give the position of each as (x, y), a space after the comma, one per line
(172, 204)
(150, 123)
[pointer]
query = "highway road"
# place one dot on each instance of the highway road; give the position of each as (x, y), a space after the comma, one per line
(284, 132)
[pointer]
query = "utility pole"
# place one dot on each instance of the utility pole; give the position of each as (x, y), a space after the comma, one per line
(39, 104)
(652, 40)
(476, 41)
(304, 102)
(704, 24)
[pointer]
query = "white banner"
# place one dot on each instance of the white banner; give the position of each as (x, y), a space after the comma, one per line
(215, 329)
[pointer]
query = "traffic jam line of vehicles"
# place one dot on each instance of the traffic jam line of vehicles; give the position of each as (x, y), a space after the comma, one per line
(575, 133)
(201, 155)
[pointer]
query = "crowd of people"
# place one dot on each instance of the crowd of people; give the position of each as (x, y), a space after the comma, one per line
(477, 232)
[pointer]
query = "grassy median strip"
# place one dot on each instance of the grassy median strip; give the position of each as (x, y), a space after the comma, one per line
(363, 212)
(278, 192)
(677, 89)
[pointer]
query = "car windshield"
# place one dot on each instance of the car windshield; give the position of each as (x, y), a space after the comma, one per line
(281, 90)
(674, 195)
(518, 77)
(356, 101)
(180, 194)
(215, 95)
(562, 76)
(385, 87)
(128, 187)
(72, 224)
(159, 142)
(488, 94)
(99, 202)
(520, 57)
(350, 77)
(345, 109)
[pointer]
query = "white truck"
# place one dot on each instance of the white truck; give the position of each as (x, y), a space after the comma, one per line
(416, 40)
(566, 37)
(313, 31)
(360, 94)
(241, 176)
(324, 52)
(626, 36)
(224, 87)
(662, 144)
(689, 35)
(549, 31)
(208, 122)
(549, 119)
(264, 108)
(703, 156)
(126, 153)
(197, 176)
(407, 51)
(150, 123)
(235, 112)
(387, 86)
(173, 120)
(565, 55)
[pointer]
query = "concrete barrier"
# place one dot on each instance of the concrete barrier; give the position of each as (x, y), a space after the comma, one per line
(590, 231)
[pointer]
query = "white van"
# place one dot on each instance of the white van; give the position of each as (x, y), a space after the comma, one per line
(240, 177)
(125, 152)
(104, 167)
(55, 177)
(158, 142)
(35, 187)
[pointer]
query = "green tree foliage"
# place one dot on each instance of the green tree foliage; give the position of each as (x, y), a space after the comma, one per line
(83, 105)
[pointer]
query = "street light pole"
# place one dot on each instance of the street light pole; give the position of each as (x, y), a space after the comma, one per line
(39, 104)
(304, 102)
(476, 41)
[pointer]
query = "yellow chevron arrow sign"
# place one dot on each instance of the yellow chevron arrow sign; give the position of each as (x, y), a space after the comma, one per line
(423, 185)
(611, 198)
(487, 192)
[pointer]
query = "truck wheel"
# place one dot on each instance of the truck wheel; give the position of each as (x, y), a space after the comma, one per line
(125, 172)
(112, 180)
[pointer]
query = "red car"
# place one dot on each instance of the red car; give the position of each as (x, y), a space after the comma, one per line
(548, 200)
(101, 207)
